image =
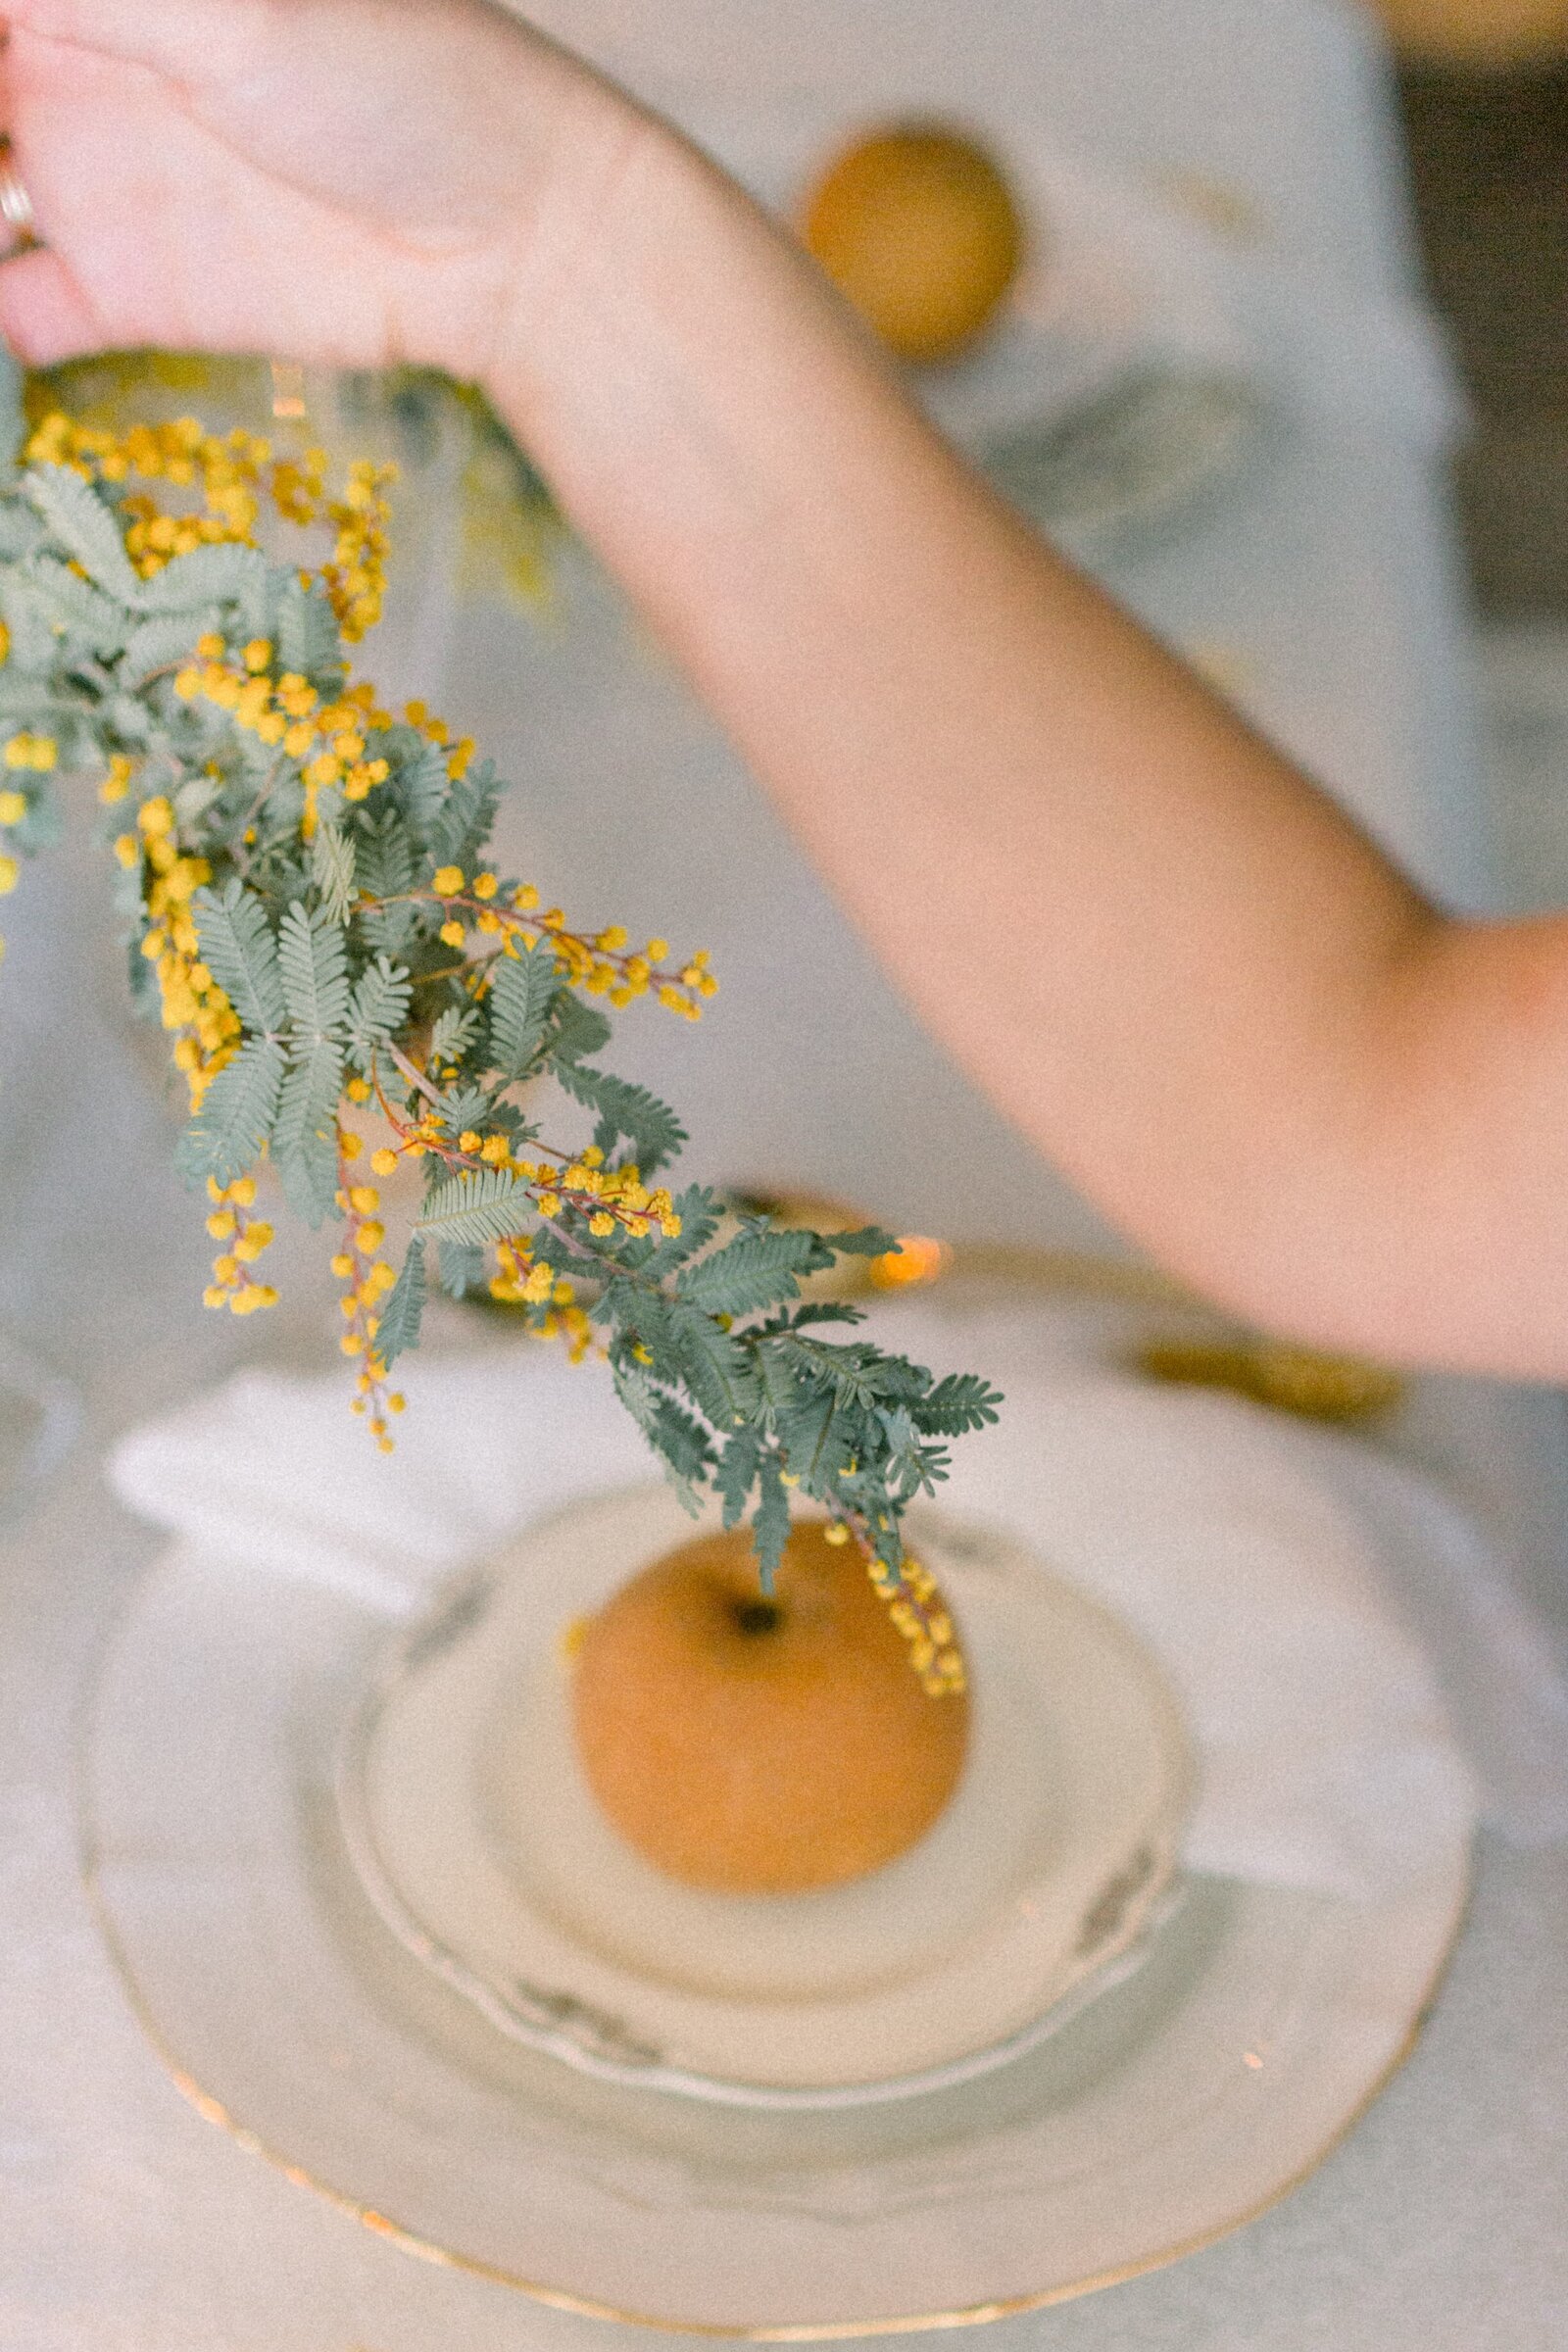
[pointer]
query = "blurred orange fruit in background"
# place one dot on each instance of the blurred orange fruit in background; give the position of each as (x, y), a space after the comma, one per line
(918, 229)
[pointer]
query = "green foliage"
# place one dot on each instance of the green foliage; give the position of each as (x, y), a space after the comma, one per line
(208, 575)
(628, 1111)
(333, 871)
(454, 1032)
(155, 644)
(307, 632)
(377, 1010)
(522, 997)
(85, 531)
(489, 1206)
(399, 1323)
(756, 1270)
(241, 953)
(312, 954)
(320, 958)
(239, 1116)
(305, 1136)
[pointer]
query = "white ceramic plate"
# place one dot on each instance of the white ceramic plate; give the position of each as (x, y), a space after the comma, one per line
(1176, 2105)
(482, 1849)
(1173, 2107)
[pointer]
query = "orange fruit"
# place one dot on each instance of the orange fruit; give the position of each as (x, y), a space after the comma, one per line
(762, 1746)
(919, 230)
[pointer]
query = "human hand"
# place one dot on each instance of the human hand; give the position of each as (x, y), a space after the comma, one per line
(351, 183)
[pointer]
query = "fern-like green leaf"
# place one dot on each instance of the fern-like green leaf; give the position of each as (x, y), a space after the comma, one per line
(465, 1107)
(650, 1126)
(465, 817)
(128, 719)
(164, 642)
(313, 958)
(636, 1392)
(682, 1439)
(332, 870)
(33, 653)
(737, 1473)
(237, 1117)
(305, 1139)
(81, 522)
(208, 575)
(463, 1269)
(307, 632)
(422, 785)
(716, 1368)
(679, 1440)
(955, 1405)
(778, 1388)
(756, 1270)
(700, 1217)
(523, 998)
(404, 1310)
(239, 951)
(814, 1442)
(770, 1527)
(89, 616)
(576, 1031)
(454, 1032)
(855, 1373)
(488, 1206)
(21, 529)
(386, 856)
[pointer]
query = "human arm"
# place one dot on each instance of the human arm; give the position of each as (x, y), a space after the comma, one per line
(1168, 956)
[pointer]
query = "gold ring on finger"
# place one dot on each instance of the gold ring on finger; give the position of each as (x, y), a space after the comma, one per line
(16, 205)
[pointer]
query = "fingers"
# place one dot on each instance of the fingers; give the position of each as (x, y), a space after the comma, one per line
(44, 316)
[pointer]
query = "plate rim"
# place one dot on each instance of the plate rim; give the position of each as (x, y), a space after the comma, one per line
(424, 2248)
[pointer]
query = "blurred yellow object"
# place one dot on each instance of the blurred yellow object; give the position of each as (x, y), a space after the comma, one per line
(1294, 1379)
(916, 1259)
(918, 229)
(1486, 32)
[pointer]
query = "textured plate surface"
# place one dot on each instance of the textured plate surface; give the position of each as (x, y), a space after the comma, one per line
(482, 1849)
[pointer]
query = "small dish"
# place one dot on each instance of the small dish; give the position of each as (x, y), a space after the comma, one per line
(479, 1844)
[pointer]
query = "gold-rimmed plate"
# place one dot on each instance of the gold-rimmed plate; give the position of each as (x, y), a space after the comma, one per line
(478, 1842)
(1174, 2108)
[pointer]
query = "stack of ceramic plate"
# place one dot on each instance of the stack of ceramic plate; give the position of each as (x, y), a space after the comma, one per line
(480, 1843)
(363, 1904)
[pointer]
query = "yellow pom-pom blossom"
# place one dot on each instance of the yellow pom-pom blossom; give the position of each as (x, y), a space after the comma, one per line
(39, 752)
(242, 1238)
(368, 1279)
(203, 1023)
(116, 784)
